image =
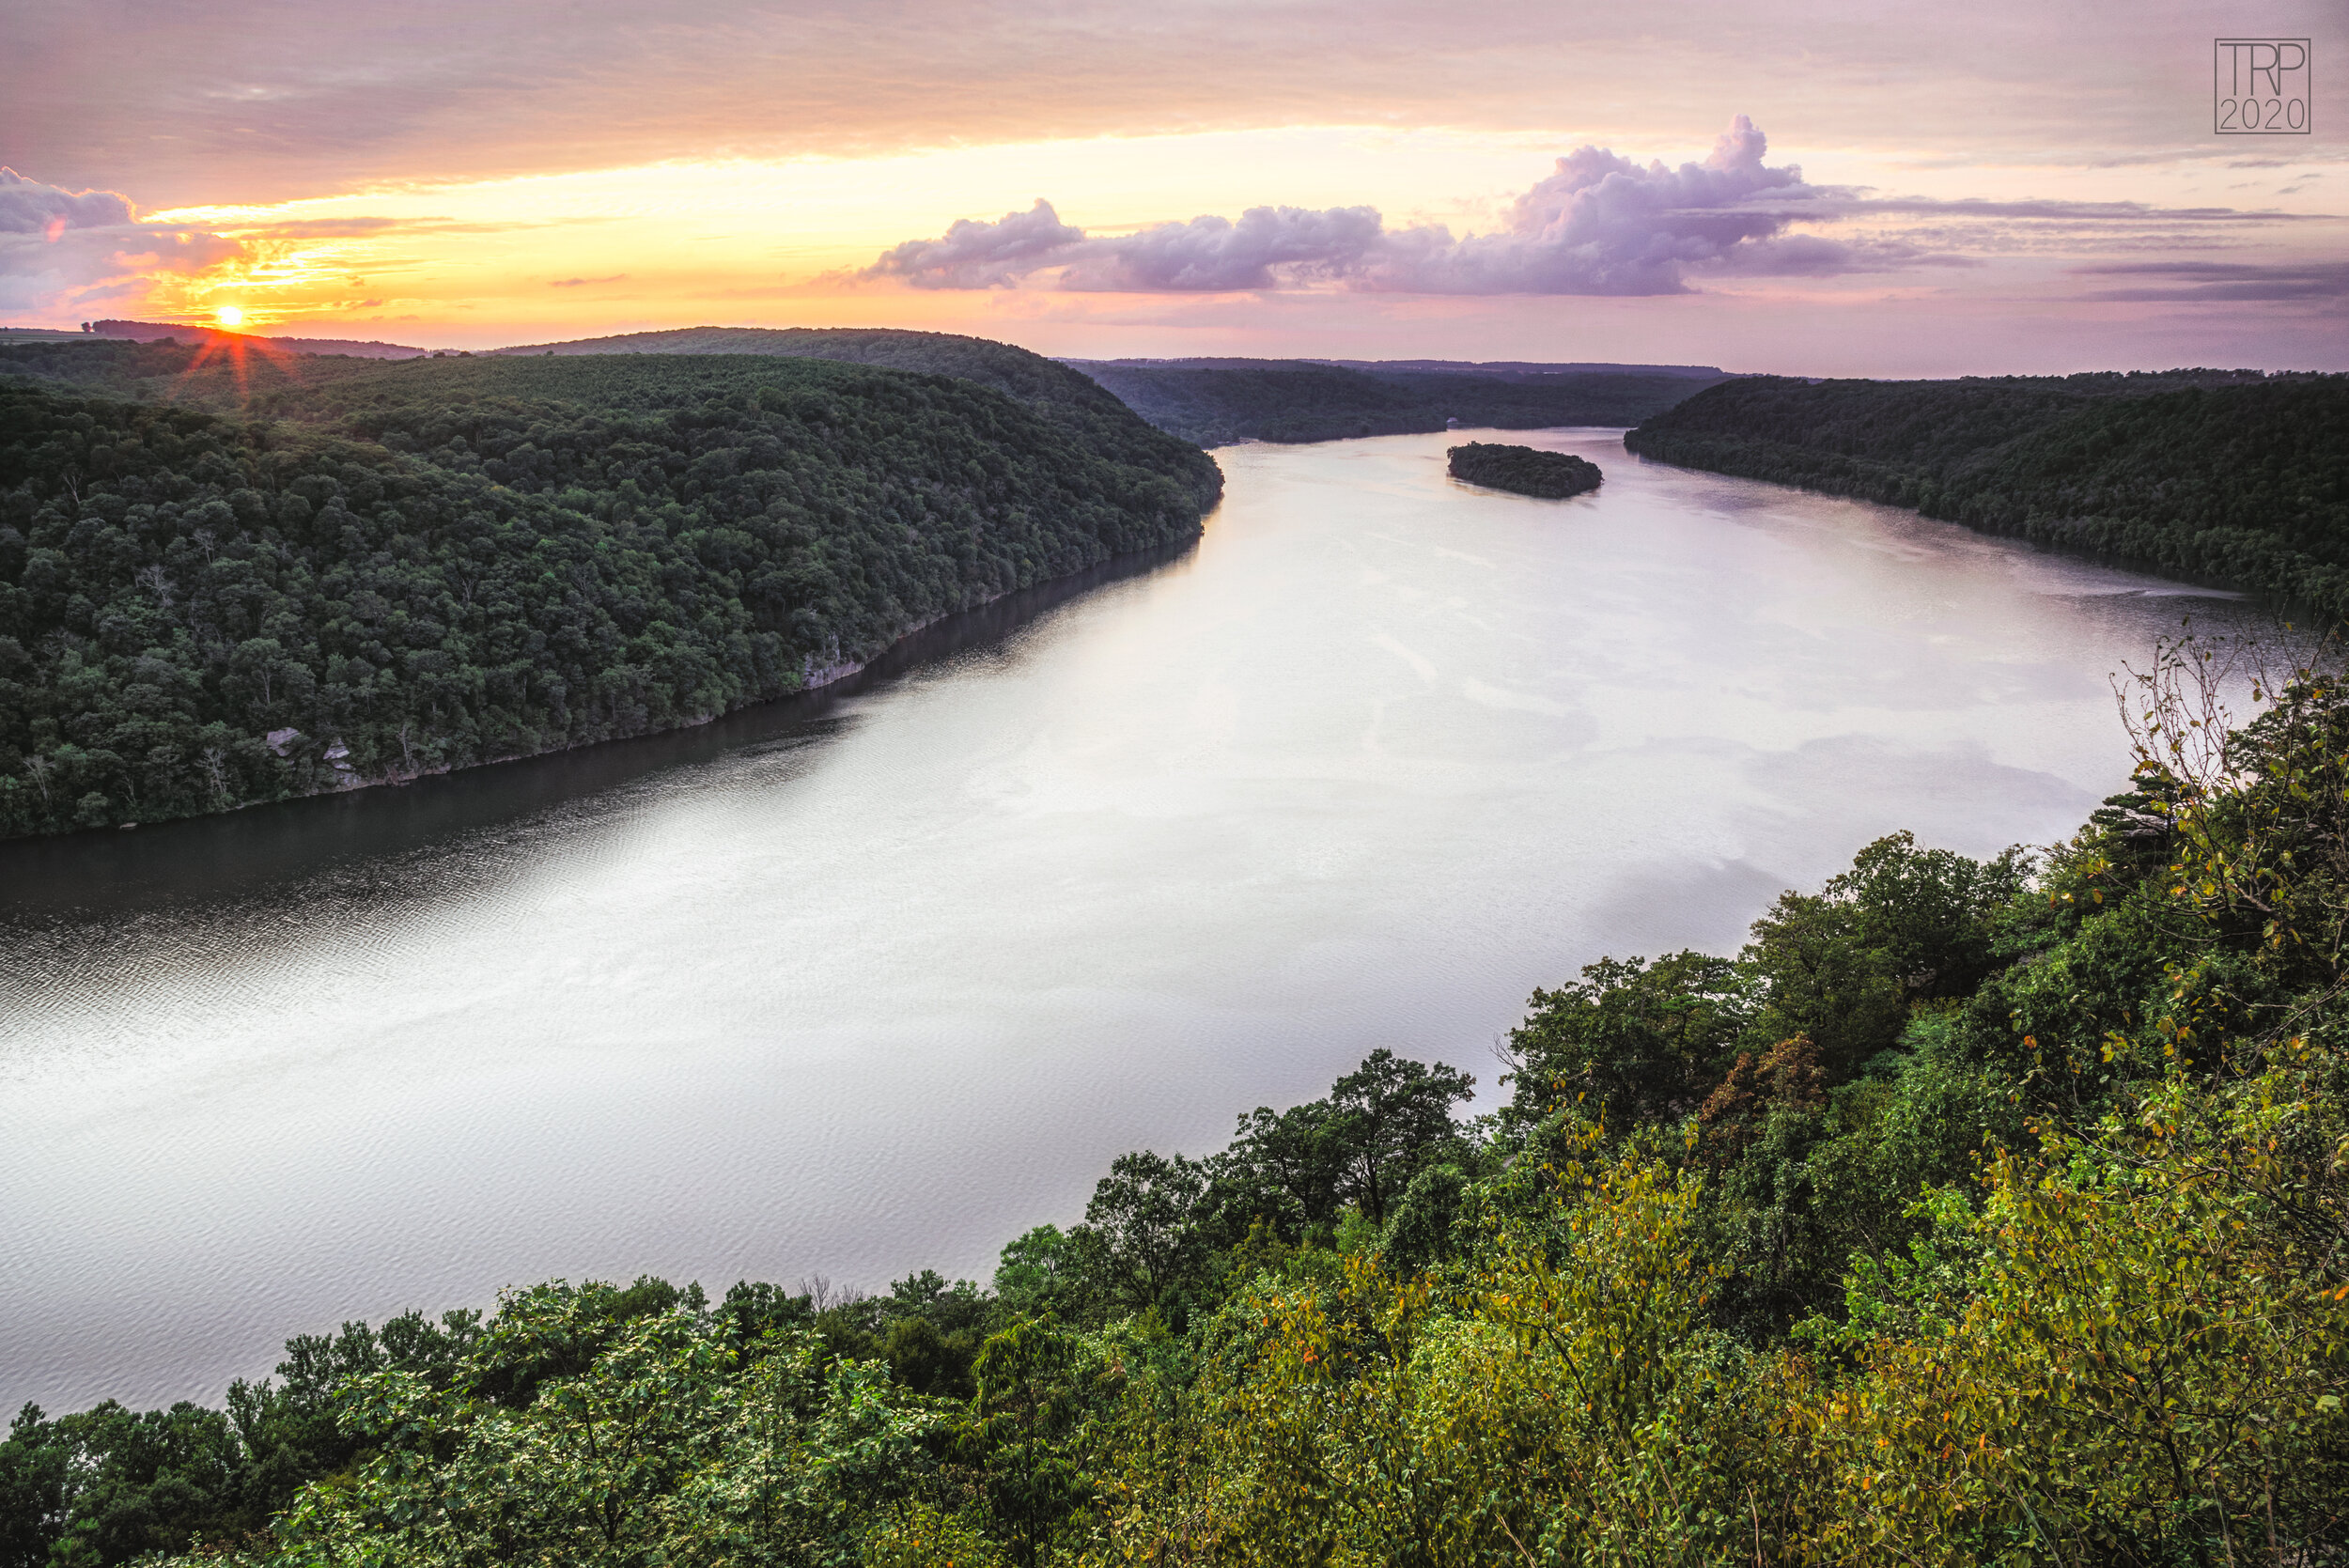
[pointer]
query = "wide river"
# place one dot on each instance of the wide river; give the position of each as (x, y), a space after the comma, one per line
(874, 982)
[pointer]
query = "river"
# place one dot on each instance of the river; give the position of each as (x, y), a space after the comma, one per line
(876, 980)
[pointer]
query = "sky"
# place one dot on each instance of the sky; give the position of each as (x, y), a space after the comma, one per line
(1818, 188)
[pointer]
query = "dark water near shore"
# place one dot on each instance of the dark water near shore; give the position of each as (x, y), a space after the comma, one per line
(876, 980)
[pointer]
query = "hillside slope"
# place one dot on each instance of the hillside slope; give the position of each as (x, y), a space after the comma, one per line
(426, 565)
(229, 376)
(1061, 394)
(2222, 477)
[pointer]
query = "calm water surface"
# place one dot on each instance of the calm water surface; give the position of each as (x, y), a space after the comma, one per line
(876, 982)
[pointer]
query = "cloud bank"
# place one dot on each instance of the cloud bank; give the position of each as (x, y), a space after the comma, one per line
(2234, 281)
(68, 249)
(262, 100)
(982, 256)
(1599, 224)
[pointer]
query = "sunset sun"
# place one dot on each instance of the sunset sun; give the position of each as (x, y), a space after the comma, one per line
(230, 316)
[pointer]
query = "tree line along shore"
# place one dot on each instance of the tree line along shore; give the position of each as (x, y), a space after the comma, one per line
(2229, 477)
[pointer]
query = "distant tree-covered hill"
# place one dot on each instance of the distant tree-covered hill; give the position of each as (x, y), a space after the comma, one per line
(1705, 374)
(1215, 403)
(155, 331)
(225, 371)
(308, 573)
(2222, 477)
(1053, 389)
(209, 373)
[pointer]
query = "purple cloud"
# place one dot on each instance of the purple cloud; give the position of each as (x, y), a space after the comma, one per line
(1603, 225)
(974, 255)
(1599, 224)
(29, 207)
(62, 248)
(1266, 247)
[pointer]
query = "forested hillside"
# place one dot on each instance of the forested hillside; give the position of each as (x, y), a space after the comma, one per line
(305, 572)
(226, 377)
(1045, 384)
(2221, 476)
(1975, 1212)
(167, 371)
(1292, 400)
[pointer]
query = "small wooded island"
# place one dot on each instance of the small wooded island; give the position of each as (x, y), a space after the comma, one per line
(1550, 475)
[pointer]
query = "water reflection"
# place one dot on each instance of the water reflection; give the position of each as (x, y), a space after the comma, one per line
(873, 983)
(377, 832)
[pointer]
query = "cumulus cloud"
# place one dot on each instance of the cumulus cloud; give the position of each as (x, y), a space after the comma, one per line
(1267, 246)
(65, 249)
(1599, 223)
(977, 255)
(1603, 225)
(28, 206)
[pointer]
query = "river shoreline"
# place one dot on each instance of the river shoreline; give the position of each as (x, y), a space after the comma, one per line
(97, 870)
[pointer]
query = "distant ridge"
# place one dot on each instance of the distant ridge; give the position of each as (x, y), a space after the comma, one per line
(1504, 369)
(1006, 368)
(154, 332)
(1530, 367)
(1216, 401)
